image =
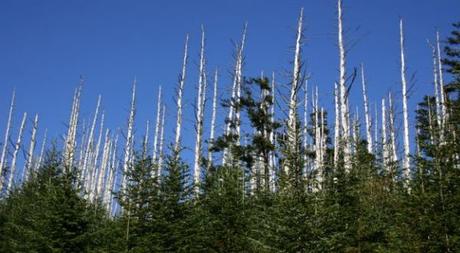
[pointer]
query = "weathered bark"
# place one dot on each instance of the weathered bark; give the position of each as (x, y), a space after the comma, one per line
(42, 151)
(6, 138)
(200, 112)
(337, 127)
(15, 153)
(213, 120)
(180, 92)
(385, 151)
(157, 128)
(70, 140)
(161, 146)
(392, 129)
(233, 119)
(30, 154)
(406, 158)
(343, 98)
(128, 156)
(295, 85)
(366, 113)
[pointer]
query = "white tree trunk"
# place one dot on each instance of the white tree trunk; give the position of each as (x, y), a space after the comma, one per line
(392, 129)
(6, 139)
(90, 143)
(180, 92)
(406, 159)
(344, 110)
(15, 152)
(366, 114)
(295, 84)
(376, 126)
(272, 136)
(160, 148)
(200, 112)
(94, 162)
(30, 155)
(305, 130)
(337, 127)
(233, 118)
(70, 141)
(42, 151)
(127, 163)
(145, 142)
(441, 81)
(385, 151)
(103, 167)
(157, 128)
(213, 120)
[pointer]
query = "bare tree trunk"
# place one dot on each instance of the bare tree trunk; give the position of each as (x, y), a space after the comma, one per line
(103, 167)
(272, 137)
(406, 159)
(344, 110)
(157, 127)
(233, 118)
(128, 157)
(366, 113)
(42, 151)
(391, 119)
(384, 137)
(94, 162)
(318, 140)
(213, 120)
(145, 142)
(70, 141)
(160, 148)
(90, 143)
(30, 155)
(180, 91)
(441, 82)
(305, 130)
(6, 139)
(337, 127)
(295, 85)
(199, 112)
(15, 152)
(376, 126)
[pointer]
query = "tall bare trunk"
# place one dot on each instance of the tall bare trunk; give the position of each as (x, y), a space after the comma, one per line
(406, 159)
(392, 129)
(6, 139)
(15, 152)
(42, 151)
(233, 118)
(70, 141)
(161, 146)
(337, 127)
(180, 91)
(441, 81)
(295, 85)
(128, 157)
(213, 120)
(344, 110)
(90, 143)
(385, 151)
(305, 130)
(366, 113)
(30, 155)
(200, 112)
(157, 128)
(145, 142)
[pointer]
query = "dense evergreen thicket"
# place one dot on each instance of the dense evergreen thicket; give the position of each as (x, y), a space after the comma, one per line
(367, 208)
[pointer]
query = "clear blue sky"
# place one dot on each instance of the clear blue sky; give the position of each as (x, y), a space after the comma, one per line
(46, 45)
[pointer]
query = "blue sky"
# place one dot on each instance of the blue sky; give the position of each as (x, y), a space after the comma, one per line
(46, 45)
